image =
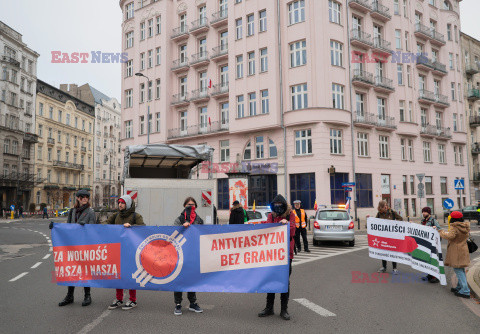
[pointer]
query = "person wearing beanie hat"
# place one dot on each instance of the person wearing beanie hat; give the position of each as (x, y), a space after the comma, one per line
(458, 256)
(81, 214)
(127, 217)
(429, 220)
(281, 213)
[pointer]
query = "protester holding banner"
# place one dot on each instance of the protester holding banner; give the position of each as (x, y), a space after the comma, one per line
(384, 212)
(127, 217)
(429, 220)
(458, 256)
(187, 218)
(81, 214)
(281, 213)
(301, 226)
(238, 215)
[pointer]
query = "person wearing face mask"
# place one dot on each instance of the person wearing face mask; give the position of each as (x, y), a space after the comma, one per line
(429, 220)
(81, 214)
(187, 218)
(127, 217)
(281, 213)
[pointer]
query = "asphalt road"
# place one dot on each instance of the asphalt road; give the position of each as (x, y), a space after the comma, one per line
(321, 280)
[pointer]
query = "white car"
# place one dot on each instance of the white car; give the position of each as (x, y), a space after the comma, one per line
(259, 216)
(333, 224)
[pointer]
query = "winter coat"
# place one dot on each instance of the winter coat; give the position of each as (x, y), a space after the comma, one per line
(86, 217)
(197, 221)
(457, 249)
(237, 215)
(289, 215)
(126, 216)
(431, 222)
(390, 214)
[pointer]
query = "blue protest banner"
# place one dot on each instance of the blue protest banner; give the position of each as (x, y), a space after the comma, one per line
(214, 258)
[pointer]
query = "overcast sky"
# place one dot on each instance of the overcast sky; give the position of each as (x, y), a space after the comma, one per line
(95, 25)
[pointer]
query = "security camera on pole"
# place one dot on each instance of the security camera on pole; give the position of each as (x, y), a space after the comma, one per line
(420, 188)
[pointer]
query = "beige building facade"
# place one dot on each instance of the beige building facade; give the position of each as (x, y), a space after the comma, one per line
(64, 153)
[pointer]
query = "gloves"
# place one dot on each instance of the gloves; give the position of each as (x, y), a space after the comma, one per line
(50, 226)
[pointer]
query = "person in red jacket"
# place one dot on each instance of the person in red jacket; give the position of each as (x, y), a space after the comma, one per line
(281, 213)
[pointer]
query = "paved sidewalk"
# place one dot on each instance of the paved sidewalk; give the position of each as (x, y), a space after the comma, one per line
(473, 277)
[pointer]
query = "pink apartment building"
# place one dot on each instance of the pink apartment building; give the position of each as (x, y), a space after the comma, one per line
(300, 87)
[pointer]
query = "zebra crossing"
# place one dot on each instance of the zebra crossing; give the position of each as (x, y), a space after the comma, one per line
(329, 250)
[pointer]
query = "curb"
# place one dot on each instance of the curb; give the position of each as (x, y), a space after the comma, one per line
(473, 278)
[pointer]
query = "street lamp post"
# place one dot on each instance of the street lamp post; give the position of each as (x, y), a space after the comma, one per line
(138, 74)
(109, 155)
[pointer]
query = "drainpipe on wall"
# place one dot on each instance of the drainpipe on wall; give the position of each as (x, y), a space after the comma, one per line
(281, 100)
(354, 195)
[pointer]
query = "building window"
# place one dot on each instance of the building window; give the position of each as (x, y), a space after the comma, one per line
(157, 89)
(239, 28)
(157, 122)
(159, 25)
(251, 63)
(337, 192)
(129, 39)
(405, 189)
(272, 149)
(158, 56)
(303, 142)
(252, 104)
(298, 53)
(128, 100)
(128, 129)
(263, 60)
(362, 144)
(299, 97)
(224, 151)
(403, 150)
(296, 11)
(142, 129)
(265, 101)
(259, 148)
(183, 121)
(239, 67)
(398, 39)
(6, 146)
(334, 11)
(396, 7)
(383, 145)
(443, 185)
(426, 152)
(129, 11)
(262, 18)
(335, 141)
(336, 53)
(402, 110)
(400, 74)
(441, 153)
(250, 25)
(428, 185)
(302, 187)
(240, 106)
(142, 31)
(364, 190)
(223, 194)
(150, 28)
(247, 153)
(203, 118)
(337, 96)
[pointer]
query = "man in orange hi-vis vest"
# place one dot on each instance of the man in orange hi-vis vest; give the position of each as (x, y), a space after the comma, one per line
(301, 224)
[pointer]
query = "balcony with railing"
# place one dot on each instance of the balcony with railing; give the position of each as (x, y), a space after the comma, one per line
(180, 65)
(200, 59)
(362, 78)
(364, 119)
(383, 84)
(30, 137)
(439, 68)
(380, 12)
(437, 38)
(473, 94)
(360, 39)
(11, 123)
(220, 90)
(180, 33)
(386, 123)
(474, 121)
(382, 46)
(69, 165)
(475, 148)
(424, 63)
(441, 100)
(360, 5)
(219, 18)
(426, 96)
(180, 100)
(199, 95)
(199, 26)
(50, 141)
(433, 131)
(196, 130)
(10, 60)
(471, 69)
(220, 52)
(422, 31)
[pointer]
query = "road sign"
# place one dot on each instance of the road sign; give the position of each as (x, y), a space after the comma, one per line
(348, 184)
(348, 198)
(348, 189)
(12, 207)
(448, 204)
(420, 186)
(421, 193)
(206, 198)
(459, 184)
(420, 177)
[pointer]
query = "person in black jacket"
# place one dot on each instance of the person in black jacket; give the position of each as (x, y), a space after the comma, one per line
(237, 214)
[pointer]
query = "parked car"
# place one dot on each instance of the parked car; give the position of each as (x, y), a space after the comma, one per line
(333, 224)
(258, 216)
(469, 213)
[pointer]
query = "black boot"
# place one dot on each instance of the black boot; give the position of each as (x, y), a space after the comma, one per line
(284, 314)
(67, 300)
(87, 300)
(266, 312)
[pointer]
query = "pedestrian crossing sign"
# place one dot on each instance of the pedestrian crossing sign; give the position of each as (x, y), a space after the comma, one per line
(459, 184)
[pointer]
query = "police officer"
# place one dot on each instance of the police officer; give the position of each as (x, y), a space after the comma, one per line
(301, 225)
